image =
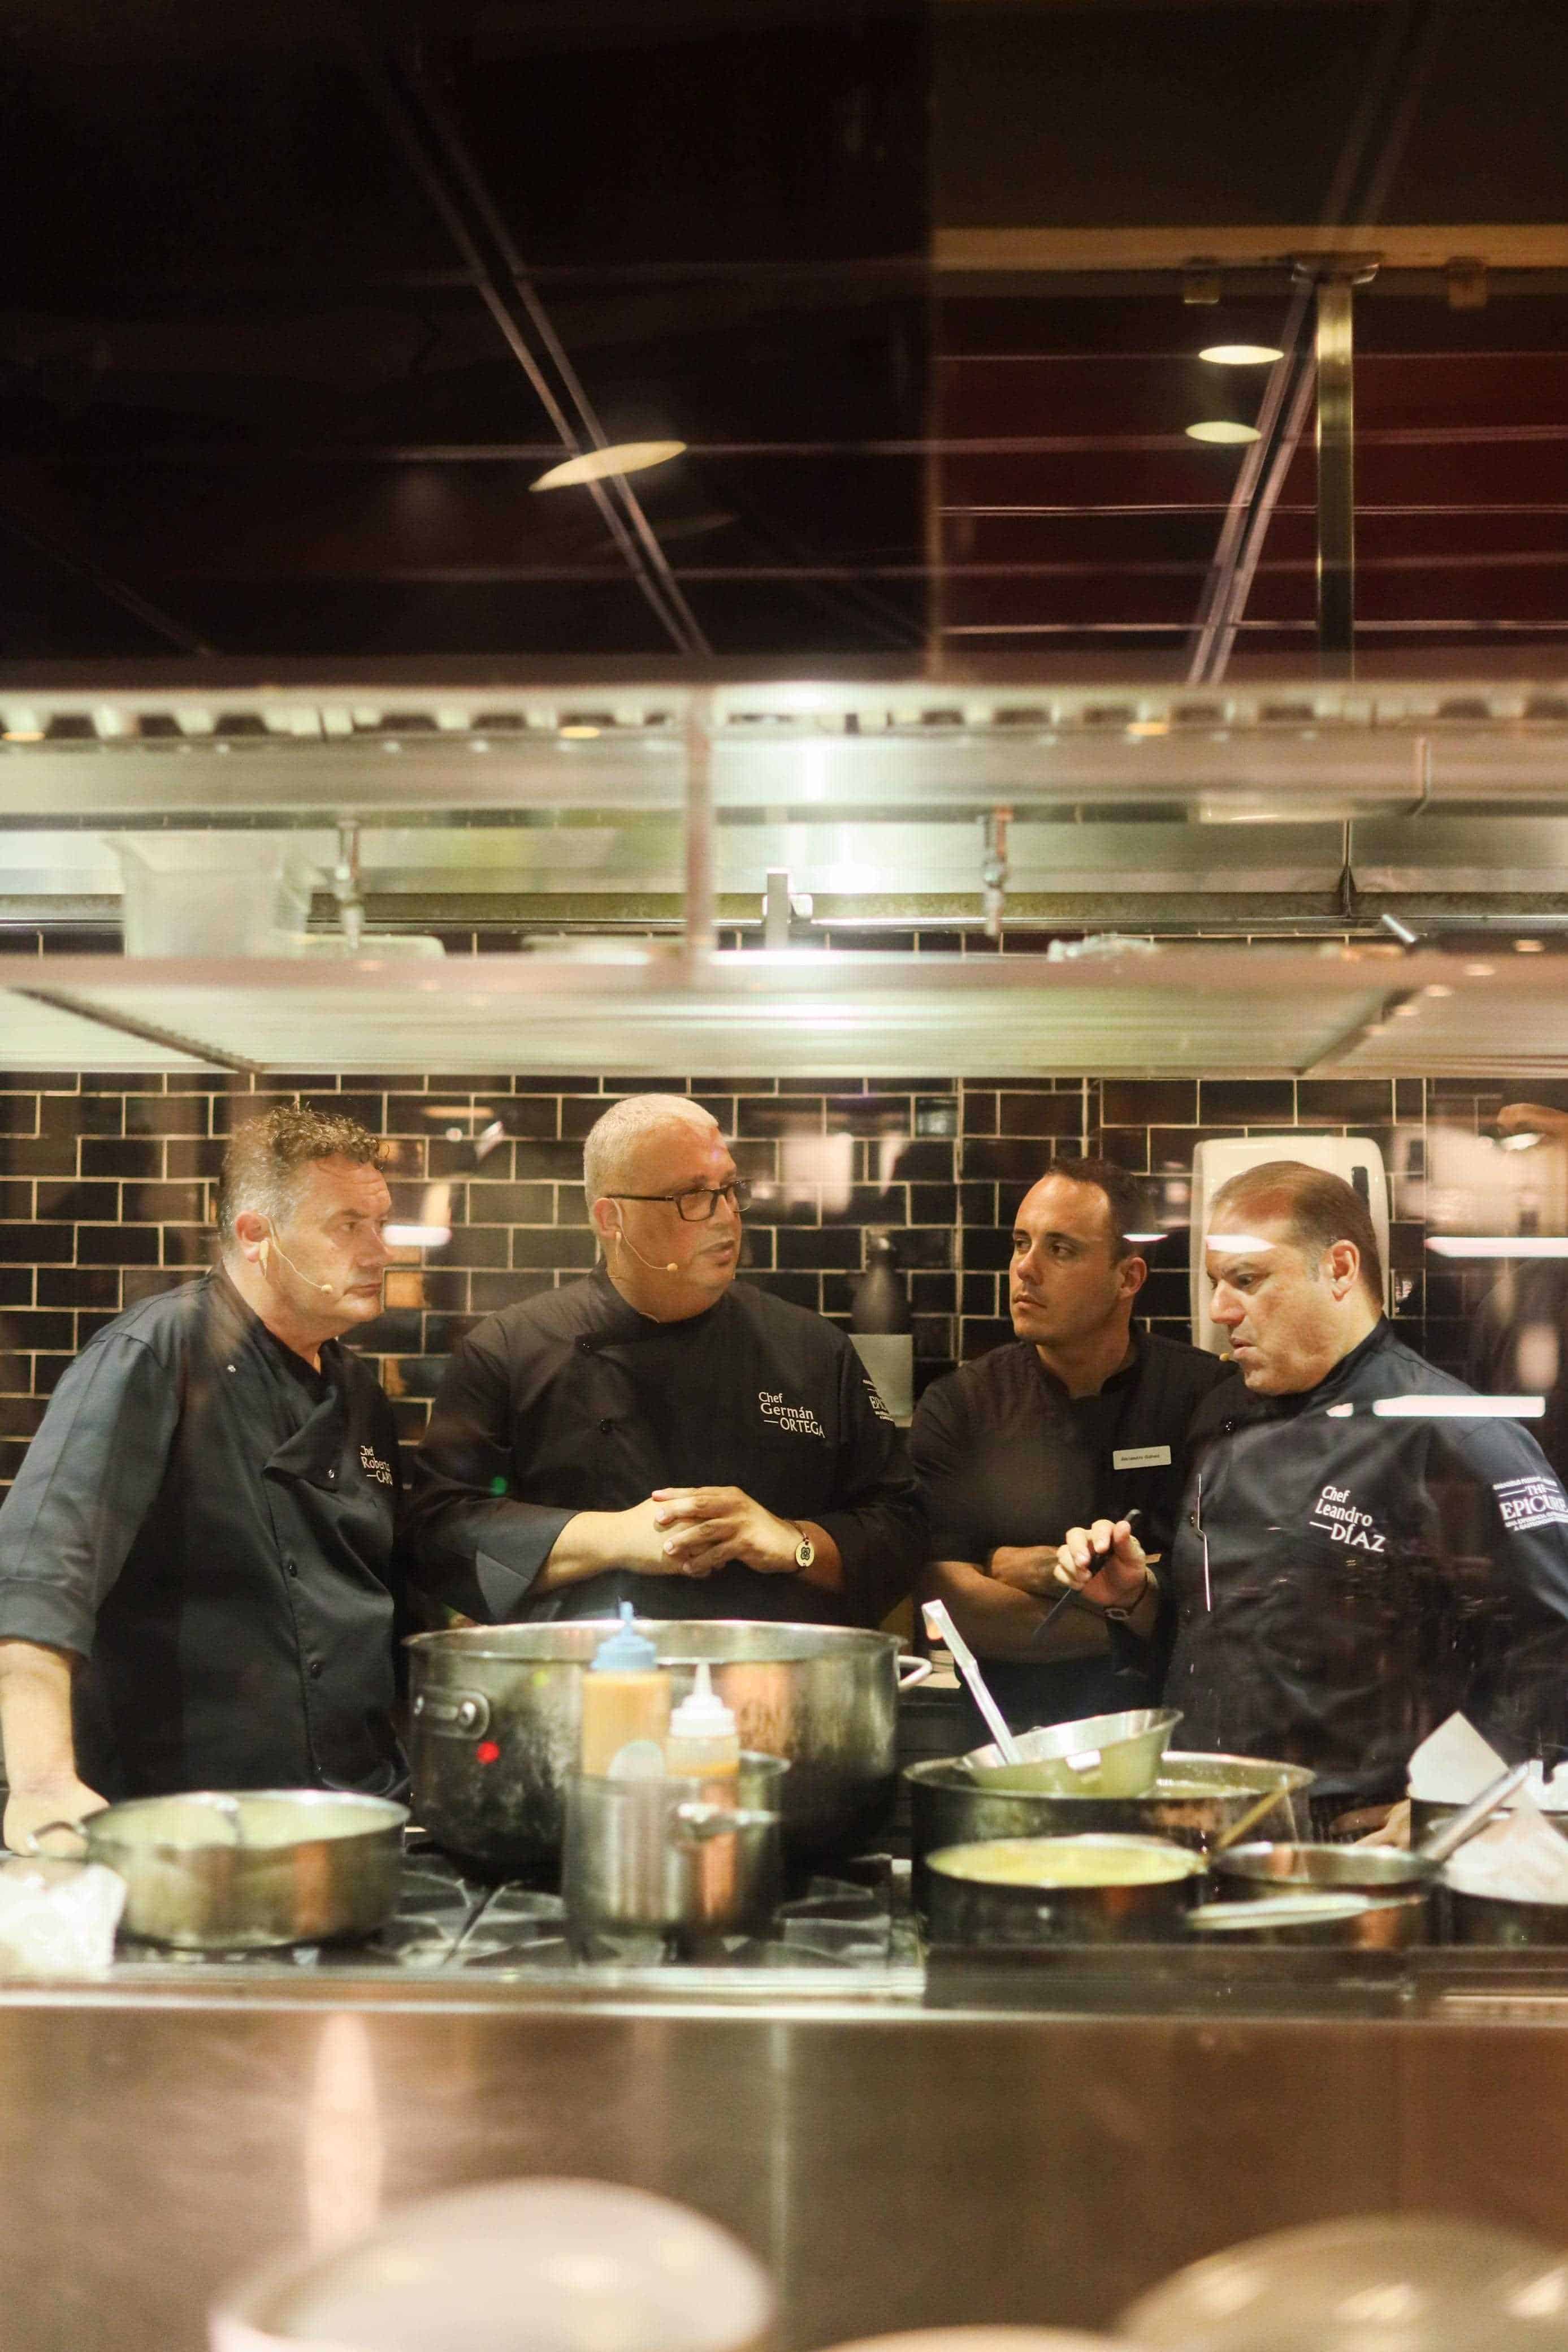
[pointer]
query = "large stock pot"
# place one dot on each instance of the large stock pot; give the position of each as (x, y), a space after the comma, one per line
(496, 1717)
(1196, 1799)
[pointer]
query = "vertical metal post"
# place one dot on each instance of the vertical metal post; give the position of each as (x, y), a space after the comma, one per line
(1336, 475)
(701, 936)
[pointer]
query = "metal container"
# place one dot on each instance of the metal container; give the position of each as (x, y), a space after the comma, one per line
(1346, 1869)
(1475, 1918)
(495, 1728)
(1196, 1799)
(1098, 1756)
(1377, 1923)
(682, 1860)
(962, 1908)
(241, 1871)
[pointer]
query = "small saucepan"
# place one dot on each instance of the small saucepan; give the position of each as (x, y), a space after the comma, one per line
(245, 1870)
(1252, 1870)
(1060, 1890)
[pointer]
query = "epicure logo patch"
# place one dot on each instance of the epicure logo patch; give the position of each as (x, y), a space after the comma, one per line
(1335, 1515)
(1530, 1503)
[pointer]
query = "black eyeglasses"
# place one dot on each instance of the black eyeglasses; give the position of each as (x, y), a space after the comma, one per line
(696, 1207)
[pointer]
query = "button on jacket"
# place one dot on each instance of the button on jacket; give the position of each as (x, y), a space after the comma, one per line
(211, 1524)
(1004, 1455)
(573, 1401)
(1343, 1580)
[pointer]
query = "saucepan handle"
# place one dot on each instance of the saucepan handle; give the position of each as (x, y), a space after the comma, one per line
(464, 1714)
(913, 1670)
(698, 1822)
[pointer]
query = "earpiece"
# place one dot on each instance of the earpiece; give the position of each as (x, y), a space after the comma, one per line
(328, 1289)
(652, 1264)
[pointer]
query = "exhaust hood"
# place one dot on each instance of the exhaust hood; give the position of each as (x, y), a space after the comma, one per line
(1200, 824)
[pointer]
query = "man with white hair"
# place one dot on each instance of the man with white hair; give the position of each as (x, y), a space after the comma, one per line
(658, 1432)
(195, 1559)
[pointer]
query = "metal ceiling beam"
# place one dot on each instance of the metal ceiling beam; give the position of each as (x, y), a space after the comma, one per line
(432, 145)
(86, 568)
(1363, 172)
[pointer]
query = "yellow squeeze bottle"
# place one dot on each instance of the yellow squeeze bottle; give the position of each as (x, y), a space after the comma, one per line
(625, 1696)
(704, 1743)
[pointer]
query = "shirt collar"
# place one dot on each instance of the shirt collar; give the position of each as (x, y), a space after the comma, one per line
(245, 1324)
(1123, 1375)
(613, 1317)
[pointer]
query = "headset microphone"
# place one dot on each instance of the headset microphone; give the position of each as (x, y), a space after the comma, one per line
(652, 1264)
(329, 1288)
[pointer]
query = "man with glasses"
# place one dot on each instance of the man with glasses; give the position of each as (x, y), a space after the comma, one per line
(658, 1432)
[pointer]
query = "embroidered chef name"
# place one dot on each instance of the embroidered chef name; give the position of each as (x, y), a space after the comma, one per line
(1530, 1503)
(372, 1465)
(1335, 1514)
(873, 1398)
(798, 1419)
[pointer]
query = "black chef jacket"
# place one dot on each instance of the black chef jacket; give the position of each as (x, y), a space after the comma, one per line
(210, 1524)
(1004, 1455)
(573, 1401)
(1342, 1580)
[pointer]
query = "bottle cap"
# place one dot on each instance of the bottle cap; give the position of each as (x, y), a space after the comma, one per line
(703, 1716)
(625, 1652)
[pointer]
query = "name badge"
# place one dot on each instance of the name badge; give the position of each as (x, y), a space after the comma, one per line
(1141, 1457)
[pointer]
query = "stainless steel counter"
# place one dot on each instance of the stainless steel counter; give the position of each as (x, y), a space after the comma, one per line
(894, 2165)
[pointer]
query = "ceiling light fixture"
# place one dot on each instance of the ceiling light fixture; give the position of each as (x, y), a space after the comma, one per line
(1479, 971)
(1223, 430)
(23, 735)
(1498, 1244)
(578, 731)
(1530, 947)
(1240, 354)
(596, 465)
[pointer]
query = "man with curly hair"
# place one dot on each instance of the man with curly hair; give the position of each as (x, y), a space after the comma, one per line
(195, 1559)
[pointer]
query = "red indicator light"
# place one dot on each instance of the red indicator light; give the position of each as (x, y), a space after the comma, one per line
(486, 1752)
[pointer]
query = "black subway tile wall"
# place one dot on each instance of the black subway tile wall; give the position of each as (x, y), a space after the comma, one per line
(106, 1184)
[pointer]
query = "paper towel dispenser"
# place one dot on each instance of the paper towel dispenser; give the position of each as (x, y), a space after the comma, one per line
(1355, 1157)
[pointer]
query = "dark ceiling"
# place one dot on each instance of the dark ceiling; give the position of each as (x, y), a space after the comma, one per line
(302, 299)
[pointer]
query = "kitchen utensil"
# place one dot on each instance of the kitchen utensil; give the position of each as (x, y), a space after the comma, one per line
(530, 2265)
(966, 1905)
(495, 1725)
(1367, 1869)
(1194, 1799)
(1238, 1829)
(212, 1871)
(683, 1859)
(1059, 1603)
(1103, 1755)
(939, 1625)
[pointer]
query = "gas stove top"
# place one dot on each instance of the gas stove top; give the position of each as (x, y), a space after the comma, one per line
(448, 1921)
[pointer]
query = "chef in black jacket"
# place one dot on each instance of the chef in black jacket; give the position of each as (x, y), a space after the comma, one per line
(657, 1431)
(1083, 1418)
(194, 1559)
(1359, 1555)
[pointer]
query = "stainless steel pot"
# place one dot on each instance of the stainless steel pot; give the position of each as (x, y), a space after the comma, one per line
(1196, 1799)
(495, 1727)
(963, 1906)
(219, 1871)
(679, 1861)
(1475, 1918)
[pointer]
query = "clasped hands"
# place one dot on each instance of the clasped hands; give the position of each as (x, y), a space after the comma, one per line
(693, 1530)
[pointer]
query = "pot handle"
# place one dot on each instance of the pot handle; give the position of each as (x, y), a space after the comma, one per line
(698, 1822)
(920, 1670)
(464, 1714)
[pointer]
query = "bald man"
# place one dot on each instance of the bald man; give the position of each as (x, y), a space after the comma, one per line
(659, 1432)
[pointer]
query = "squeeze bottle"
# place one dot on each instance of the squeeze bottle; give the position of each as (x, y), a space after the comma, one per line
(704, 1743)
(625, 1696)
